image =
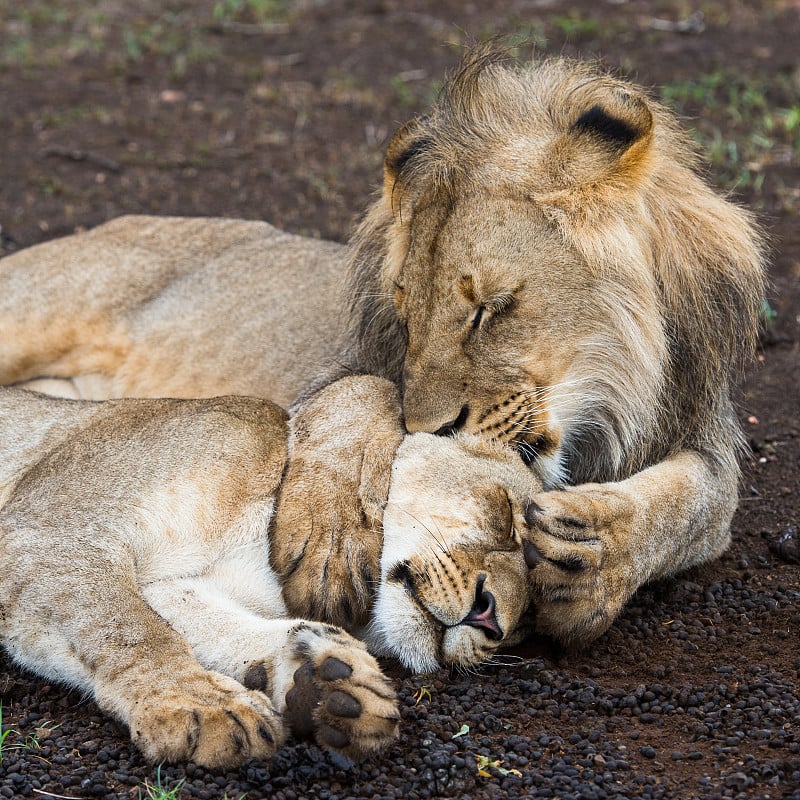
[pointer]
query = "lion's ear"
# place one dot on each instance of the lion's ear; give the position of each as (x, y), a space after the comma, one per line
(410, 141)
(406, 147)
(607, 139)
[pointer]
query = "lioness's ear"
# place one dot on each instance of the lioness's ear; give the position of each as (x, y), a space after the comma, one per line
(607, 139)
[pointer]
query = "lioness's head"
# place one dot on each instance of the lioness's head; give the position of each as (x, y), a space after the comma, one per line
(454, 577)
(560, 276)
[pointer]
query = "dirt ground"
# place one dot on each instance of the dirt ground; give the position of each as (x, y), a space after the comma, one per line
(280, 110)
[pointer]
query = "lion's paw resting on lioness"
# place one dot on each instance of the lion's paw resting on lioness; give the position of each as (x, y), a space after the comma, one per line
(135, 538)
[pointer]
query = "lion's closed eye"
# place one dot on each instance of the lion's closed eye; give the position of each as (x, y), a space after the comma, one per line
(478, 317)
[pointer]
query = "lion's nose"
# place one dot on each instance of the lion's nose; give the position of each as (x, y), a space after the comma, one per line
(482, 614)
(454, 426)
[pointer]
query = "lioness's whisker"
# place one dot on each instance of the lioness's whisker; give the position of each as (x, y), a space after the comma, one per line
(437, 536)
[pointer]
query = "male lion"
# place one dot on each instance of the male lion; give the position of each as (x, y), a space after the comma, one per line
(134, 565)
(544, 268)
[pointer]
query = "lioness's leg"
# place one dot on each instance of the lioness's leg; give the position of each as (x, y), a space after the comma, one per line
(171, 307)
(326, 684)
(116, 647)
(63, 312)
(595, 544)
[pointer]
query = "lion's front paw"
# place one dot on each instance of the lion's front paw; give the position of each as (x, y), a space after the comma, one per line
(582, 569)
(340, 698)
(333, 574)
(213, 721)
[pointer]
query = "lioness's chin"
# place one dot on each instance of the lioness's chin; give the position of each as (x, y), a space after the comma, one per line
(400, 629)
(404, 630)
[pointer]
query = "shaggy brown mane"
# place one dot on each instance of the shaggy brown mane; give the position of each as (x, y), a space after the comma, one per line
(645, 216)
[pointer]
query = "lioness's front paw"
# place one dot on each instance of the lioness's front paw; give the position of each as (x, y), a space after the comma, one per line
(582, 569)
(213, 721)
(340, 698)
(327, 539)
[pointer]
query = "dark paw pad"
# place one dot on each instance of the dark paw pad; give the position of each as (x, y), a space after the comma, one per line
(341, 704)
(333, 669)
(301, 700)
(532, 554)
(332, 737)
(257, 678)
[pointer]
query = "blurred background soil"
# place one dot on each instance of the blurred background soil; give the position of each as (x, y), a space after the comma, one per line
(281, 110)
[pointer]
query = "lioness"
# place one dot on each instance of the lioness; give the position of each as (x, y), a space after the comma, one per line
(134, 565)
(544, 268)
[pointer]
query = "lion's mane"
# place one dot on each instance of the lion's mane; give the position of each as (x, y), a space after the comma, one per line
(619, 178)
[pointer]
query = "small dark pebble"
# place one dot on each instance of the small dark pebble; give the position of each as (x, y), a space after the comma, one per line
(785, 544)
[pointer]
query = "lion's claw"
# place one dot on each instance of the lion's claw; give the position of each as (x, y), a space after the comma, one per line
(581, 571)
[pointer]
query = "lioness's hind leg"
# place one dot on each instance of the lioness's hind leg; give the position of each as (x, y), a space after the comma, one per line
(207, 718)
(340, 698)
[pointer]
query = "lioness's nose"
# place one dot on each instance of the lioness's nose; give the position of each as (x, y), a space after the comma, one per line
(482, 614)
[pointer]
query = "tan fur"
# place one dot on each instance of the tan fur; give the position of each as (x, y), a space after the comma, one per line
(544, 268)
(154, 307)
(562, 280)
(135, 538)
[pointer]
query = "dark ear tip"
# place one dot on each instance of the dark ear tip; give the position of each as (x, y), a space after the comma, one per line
(620, 123)
(408, 142)
(598, 122)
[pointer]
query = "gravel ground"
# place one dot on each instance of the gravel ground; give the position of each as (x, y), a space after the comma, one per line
(160, 106)
(696, 721)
